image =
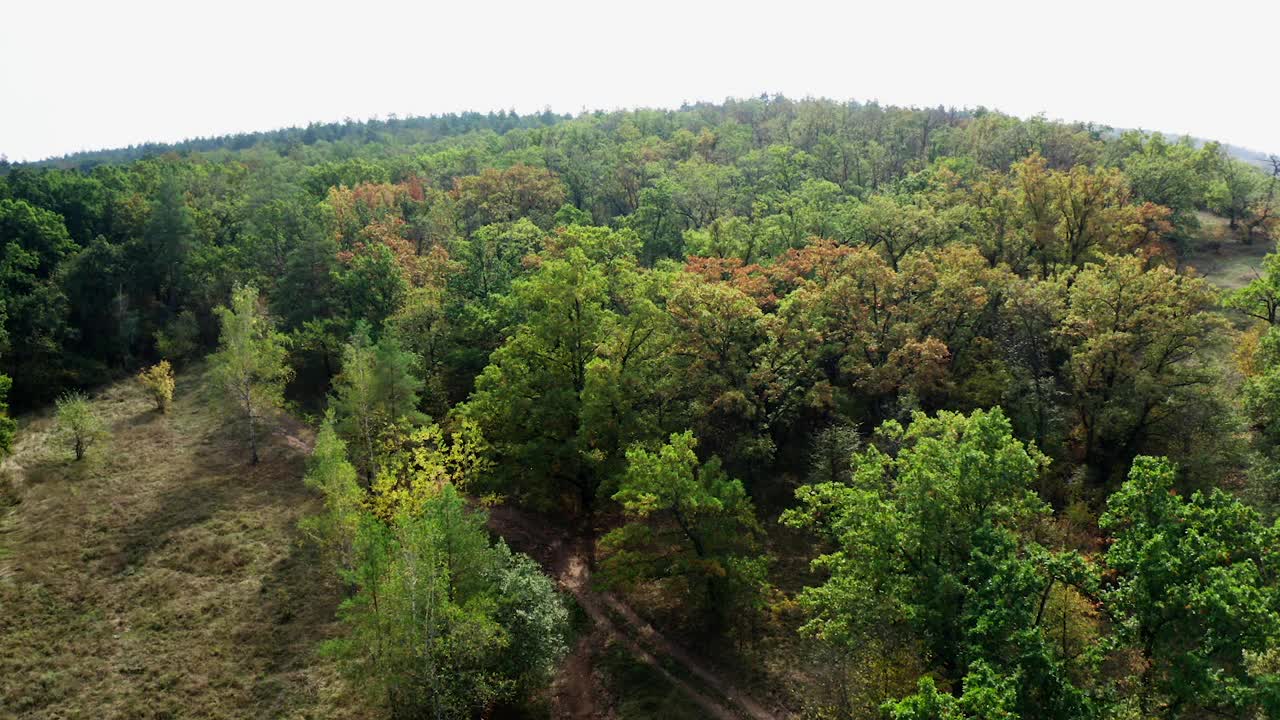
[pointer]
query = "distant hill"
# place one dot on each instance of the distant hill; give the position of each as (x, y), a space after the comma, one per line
(1256, 158)
(1253, 157)
(421, 129)
(393, 130)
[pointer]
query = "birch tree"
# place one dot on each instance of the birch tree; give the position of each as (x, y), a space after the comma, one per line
(249, 364)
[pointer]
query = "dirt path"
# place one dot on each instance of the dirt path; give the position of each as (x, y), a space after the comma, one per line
(577, 693)
(566, 560)
(659, 642)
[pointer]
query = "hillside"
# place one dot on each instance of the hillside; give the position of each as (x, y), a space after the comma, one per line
(162, 576)
(769, 409)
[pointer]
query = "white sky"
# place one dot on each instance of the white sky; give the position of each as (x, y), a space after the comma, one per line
(91, 74)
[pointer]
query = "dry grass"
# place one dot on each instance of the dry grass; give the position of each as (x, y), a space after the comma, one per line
(162, 576)
(1221, 258)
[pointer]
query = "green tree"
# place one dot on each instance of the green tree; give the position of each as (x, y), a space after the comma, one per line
(443, 623)
(491, 258)
(330, 474)
(168, 240)
(179, 339)
(716, 331)
(249, 364)
(986, 696)
(8, 426)
(1232, 190)
(1169, 174)
(686, 520)
(308, 290)
(932, 536)
(77, 423)
(373, 285)
(894, 226)
(375, 389)
(1261, 297)
(37, 338)
(1194, 589)
(423, 327)
(574, 384)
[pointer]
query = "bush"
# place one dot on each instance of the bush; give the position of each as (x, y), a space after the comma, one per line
(77, 423)
(158, 382)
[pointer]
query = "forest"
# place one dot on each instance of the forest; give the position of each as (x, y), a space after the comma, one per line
(764, 409)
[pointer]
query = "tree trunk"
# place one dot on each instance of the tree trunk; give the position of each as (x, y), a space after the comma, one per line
(253, 441)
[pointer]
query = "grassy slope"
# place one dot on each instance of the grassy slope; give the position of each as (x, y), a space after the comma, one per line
(1221, 258)
(161, 576)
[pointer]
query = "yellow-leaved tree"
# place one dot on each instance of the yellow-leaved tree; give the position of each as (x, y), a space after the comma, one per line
(158, 381)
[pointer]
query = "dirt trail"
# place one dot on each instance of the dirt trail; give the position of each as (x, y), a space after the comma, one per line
(565, 559)
(659, 642)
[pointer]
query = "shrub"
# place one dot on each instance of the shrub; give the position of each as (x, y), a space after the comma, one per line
(158, 382)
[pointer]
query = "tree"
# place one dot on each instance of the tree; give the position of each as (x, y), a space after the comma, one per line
(574, 384)
(1136, 369)
(36, 337)
(180, 338)
(1263, 220)
(1232, 190)
(656, 221)
(686, 520)
(932, 535)
(1193, 587)
(1033, 312)
(491, 258)
(519, 191)
(443, 623)
(1169, 174)
(77, 423)
(8, 426)
(309, 289)
(716, 330)
(373, 285)
(1074, 215)
(1260, 394)
(1261, 297)
(865, 337)
(423, 327)
(249, 364)
(95, 282)
(168, 241)
(987, 696)
(375, 389)
(158, 382)
(330, 474)
(895, 226)
(414, 463)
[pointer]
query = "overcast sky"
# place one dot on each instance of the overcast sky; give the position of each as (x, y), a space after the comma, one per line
(89, 75)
